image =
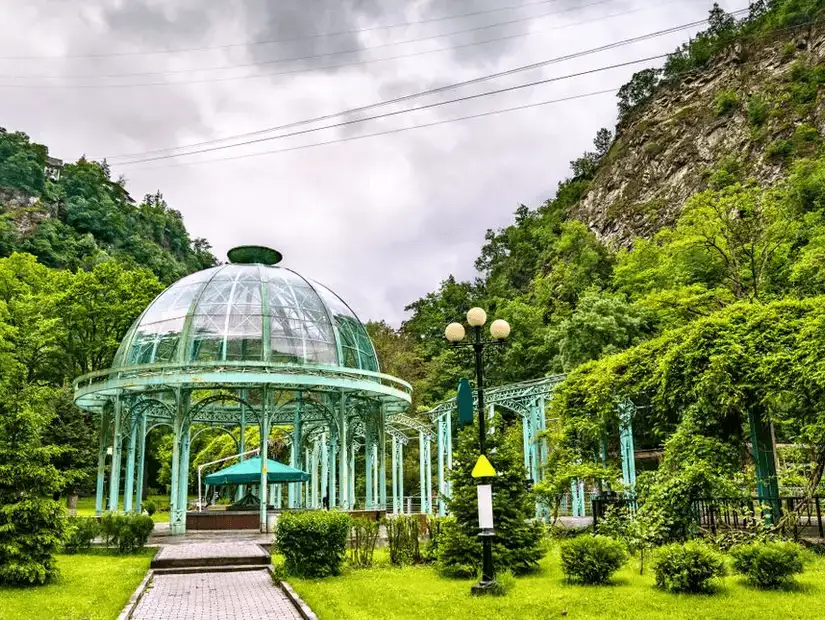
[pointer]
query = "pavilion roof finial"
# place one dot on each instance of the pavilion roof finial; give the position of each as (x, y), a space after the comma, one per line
(251, 254)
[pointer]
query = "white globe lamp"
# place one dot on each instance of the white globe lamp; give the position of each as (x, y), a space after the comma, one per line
(454, 332)
(500, 329)
(476, 317)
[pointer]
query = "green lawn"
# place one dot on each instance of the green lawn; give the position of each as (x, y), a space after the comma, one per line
(90, 586)
(86, 507)
(418, 592)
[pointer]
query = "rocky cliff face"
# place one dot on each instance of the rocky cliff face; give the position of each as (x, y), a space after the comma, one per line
(747, 115)
(24, 211)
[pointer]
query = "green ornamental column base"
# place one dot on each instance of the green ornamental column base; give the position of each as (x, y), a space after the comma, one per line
(177, 527)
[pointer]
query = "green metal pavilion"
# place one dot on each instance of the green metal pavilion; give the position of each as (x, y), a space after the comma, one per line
(248, 343)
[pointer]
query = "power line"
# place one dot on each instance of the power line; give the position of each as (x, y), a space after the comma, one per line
(419, 94)
(385, 132)
(427, 106)
(306, 37)
(310, 69)
(275, 61)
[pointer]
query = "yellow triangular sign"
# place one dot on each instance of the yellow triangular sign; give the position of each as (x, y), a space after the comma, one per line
(483, 468)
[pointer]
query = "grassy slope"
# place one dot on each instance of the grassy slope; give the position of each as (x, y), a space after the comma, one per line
(90, 587)
(417, 592)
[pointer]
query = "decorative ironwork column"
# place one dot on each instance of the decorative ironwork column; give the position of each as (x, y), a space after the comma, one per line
(141, 462)
(422, 472)
(114, 479)
(129, 482)
(343, 439)
(101, 463)
(626, 445)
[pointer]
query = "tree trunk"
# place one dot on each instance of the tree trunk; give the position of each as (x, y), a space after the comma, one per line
(71, 503)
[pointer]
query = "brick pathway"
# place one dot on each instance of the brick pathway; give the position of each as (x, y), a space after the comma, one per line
(246, 595)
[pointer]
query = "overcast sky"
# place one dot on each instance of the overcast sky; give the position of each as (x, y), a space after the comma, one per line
(380, 220)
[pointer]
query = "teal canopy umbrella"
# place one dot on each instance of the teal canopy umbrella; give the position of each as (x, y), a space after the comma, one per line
(249, 472)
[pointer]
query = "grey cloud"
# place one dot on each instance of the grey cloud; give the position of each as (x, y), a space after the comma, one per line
(382, 221)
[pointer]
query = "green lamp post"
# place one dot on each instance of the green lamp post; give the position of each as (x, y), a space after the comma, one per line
(455, 332)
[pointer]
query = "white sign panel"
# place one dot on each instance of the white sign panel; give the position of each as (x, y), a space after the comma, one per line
(485, 506)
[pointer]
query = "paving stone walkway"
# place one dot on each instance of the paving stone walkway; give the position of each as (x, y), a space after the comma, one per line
(246, 595)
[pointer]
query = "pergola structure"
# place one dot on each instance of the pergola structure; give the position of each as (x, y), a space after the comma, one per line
(528, 400)
(247, 344)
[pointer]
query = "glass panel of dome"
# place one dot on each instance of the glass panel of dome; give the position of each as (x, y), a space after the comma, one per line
(155, 342)
(227, 323)
(355, 342)
(239, 272)
(300, 330)
(172, 303)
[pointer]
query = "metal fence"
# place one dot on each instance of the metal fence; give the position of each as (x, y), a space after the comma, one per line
(805, 515)
(601, 505)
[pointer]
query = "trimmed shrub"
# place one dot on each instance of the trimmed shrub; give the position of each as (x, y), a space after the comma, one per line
(313, 543)
(80, 532)
(688, 567)
(126, 532)
(150, 507)
(592, 560)
(434, 526)
(402, 539)
(363, 536)
(768, 565)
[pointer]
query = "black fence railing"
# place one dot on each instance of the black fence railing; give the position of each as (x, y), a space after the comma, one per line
(602, 504)
(804, 515)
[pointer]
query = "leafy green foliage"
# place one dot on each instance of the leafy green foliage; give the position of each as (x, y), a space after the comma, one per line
(127, 532)
(726, 101)
(758, 110)
(80, 532)
(689, 567)
(592, 560)
(403, 539)
(313, 543)
(21, 163)
(86, 217)
(435, 526)
(770, 564)
(518, 543)
(31, 524)
(363, 536)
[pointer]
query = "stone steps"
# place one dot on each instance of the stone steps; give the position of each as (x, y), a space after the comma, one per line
(211, 555)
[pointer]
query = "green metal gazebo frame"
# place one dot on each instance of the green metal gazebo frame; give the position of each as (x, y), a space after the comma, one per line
(240, 345)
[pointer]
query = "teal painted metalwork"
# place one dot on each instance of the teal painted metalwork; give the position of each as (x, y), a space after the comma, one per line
(767, 485)
(626, 445)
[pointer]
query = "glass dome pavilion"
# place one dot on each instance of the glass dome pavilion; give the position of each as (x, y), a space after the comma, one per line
(246, 343)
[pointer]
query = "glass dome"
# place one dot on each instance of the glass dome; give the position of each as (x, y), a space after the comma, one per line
(248, 312)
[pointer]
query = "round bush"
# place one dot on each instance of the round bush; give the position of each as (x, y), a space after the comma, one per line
(688, 567)
(592, 559)
(313, 543)
(150, 507)
(126, 532)
(80, 532)
(768, 565)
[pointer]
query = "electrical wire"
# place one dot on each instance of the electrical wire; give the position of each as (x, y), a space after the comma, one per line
(307, 37)
(411, 96)
(276, 61)
(404, 111)
(300, 70)
(382, 133)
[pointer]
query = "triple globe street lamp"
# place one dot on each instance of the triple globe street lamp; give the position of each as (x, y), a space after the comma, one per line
(455, 333)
